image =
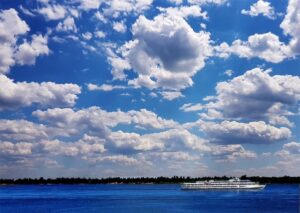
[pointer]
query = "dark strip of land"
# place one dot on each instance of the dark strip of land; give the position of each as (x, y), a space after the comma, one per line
(143, 180)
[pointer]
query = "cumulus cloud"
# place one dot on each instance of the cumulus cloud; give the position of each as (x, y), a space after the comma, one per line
(90, 4)
(170, 140)
(171, 95)
(11, 27)
(165, 53)
(229, 72)
(24, 139)
(53, 12)
(167, 33)
(28, 52)
(289, 151)
(176, 156)
(87, 36)
(116, 8)
(292, 147)
(18, 130)
(95, 117)
(175, 1)
(191, 107)
(266, 46)
(22, 148)
(11, 50)
(105, 87)
(23, 94)
(100, 17)
(202, 2)
(120, 27)
(6, 57)
(232, 132)
(185, 11)
(231, 153)
(96, 143)
(261, 7)
(290, 25)
(99, 34)
(117, 159)
(26, 11)
(86, 146)
(257, 95)
(289, 157)
(67, 25)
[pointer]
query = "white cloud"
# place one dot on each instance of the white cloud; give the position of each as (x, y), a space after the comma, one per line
(170, 140)
(290, 25)
(95, 145)
(165, 52)
(6, 57)
(118, 159)
(67, 25)
(11, 27)
(28, 52)
(99, 34)
(87, 36)
(231, 153)
(184, 11)
(11, 53)
(90, 4)
(175, 1)
(22, 130)
(105, 87)
(26, 11)
(289, 158)
(22, 94)
(191, 107)
(95, 117)
(229, 73)
(289, 151)
(202, 2)
(257, 95)
(99, 16)
(22, 148)
(86, 146)
(53, 12)
(171, 95)
(261, 7)
(176, 156)
(266, 46)
(167, 32)
(120, 27)
(153, 95)
(116, 7)
(292, 147)
(232, 132)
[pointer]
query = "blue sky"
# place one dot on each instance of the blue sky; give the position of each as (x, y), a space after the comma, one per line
(148, 88)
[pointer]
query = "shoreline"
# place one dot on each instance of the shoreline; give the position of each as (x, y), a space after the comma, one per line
(140, 180)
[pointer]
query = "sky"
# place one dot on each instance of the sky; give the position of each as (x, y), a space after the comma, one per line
(130, 88)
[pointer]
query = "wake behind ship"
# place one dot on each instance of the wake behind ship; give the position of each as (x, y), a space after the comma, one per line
(232, 184)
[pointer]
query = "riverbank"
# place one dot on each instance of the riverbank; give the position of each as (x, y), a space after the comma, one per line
(142, 180)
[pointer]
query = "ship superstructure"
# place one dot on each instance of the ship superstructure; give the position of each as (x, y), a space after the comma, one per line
(234, 183)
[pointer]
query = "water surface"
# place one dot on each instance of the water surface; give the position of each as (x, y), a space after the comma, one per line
(145, 198)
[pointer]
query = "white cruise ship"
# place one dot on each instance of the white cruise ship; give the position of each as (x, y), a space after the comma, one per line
(232, 184)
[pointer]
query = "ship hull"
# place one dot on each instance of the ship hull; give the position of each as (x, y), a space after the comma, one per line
(201, 187)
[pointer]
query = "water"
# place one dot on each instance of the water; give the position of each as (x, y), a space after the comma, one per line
(145, 198)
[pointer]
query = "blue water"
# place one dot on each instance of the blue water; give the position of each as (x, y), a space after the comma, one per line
(145, 198)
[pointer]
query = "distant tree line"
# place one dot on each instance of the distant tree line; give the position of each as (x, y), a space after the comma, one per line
(143, 180)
